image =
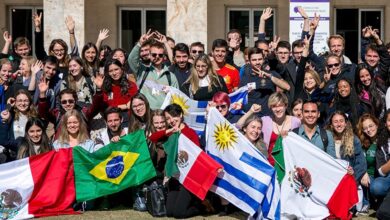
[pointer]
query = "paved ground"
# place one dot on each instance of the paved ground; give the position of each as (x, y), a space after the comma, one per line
(131, 214)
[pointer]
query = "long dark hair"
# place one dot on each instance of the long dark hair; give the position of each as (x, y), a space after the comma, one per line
(374, 97)
(26, 148)
(136, 122)
(347, 103)
(107, 83)
(125, 65)
(93, 65)
(383, 133)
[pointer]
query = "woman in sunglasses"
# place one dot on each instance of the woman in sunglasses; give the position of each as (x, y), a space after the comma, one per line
(203, 82)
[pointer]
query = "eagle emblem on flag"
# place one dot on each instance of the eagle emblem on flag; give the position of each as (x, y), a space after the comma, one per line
(300, 181)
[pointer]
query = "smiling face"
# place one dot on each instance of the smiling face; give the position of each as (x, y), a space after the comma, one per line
(119, 55)
(372, 58)
(73, 125)
(159, 122)
(297, 111)
(336, 46)
(308, 82)
(74, 68)
(334, 65)
(157, 55)
(338, 123)
(59, 51)
(344, 88)
(139, 107)
(279, 110)
(256, 61)
(67, 101)
(114, 122)
(365, 77)
(253, 131)
(201, 68)
(219, 54)
(181, 59)
(310, 114)
(173, 121)
(5, 72)
(115, 72)
(22, 103)
(24, 68)
(35, 134)
(90, 54)
(369, 127)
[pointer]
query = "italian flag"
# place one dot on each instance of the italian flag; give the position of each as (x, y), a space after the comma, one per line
(37, 186)
(190, 165)
(315, 184)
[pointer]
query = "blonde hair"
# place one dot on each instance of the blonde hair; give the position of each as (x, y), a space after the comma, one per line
(315, 76)
(83, 132)
(193, 79)
(336, 36)
(276, 98)
(259, 144)
(30, 61)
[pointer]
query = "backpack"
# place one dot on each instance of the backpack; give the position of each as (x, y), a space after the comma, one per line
(323, 134)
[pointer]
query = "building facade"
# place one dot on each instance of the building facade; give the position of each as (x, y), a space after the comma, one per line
(184, 20)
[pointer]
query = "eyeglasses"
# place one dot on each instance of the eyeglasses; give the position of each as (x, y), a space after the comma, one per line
(139, 105)
(161, 55)
(221, 106)
(333, 65)
(67, 101)
(22, 100)
(201, 66)
(368, 127)
(59, 50)
(197, 51)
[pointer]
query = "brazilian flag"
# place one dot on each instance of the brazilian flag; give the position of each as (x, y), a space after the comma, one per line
(112, 168)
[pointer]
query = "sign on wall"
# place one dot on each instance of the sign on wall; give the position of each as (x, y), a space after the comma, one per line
(322, 8)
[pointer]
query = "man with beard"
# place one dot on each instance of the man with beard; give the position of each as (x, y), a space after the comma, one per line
(114, 129)
(141, 50)
(312, 132)
(181, 67)
(260, 82)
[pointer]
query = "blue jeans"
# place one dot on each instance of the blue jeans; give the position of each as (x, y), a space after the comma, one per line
(366, 192)
(380, 186)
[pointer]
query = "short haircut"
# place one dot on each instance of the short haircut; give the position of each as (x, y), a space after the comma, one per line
(258, 42)
(111, 110)
(148, 42)
(310, 101)
(234, 31)
(158, 45)
(68, 91)
(254, 50)
(182, 47)
(171, 39)
(372, 47)
(174, 109)
(50, 60)
(276, 98)
(220, 43)
(297, 43)
(20, 41)
(284, 44)
(197, 44)
(336, 36)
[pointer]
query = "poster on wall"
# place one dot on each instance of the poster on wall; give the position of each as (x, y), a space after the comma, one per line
(322, 8)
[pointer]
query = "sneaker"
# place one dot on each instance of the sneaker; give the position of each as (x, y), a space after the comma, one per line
(364, 210)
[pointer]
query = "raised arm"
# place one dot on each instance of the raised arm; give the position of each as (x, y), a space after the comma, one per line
(35, 68)
(306, 21)
(163, 39)
(70, 24)
(8, 42)
(255, 108)
(103, 34)
(40, 52)
(267, 13)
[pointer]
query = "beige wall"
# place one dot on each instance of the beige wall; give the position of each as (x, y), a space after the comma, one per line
(104, 14)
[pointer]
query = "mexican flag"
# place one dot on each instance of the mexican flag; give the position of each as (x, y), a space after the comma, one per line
(37, 186)
(112, 168)
(315, 184)
(190, 165)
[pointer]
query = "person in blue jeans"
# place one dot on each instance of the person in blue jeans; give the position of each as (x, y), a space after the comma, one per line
(381, 185)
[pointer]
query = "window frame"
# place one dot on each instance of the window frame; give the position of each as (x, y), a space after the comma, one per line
(143, 18)
(251, 21)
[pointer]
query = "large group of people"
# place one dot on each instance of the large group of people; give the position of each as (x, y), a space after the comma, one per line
(60, 99)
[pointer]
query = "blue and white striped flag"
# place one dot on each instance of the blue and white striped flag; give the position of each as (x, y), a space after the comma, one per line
(195, 111)
(248, 181)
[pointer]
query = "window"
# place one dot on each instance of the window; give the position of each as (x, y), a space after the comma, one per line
(247, 21)
(134, 22)
(351, 29)
(21, 24)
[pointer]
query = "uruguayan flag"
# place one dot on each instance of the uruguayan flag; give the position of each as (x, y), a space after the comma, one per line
(247, 180)
(195, 111)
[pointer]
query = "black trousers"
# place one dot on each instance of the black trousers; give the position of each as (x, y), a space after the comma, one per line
(180, 202)
(383, 213)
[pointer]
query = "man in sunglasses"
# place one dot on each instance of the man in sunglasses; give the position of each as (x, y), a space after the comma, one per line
(153, 80)
(181, 67)
(196, 49)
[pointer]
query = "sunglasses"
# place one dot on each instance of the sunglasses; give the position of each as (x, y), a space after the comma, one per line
(333, 65)
(70, 101)
(161, 55)
(221, 106)
(197, 51)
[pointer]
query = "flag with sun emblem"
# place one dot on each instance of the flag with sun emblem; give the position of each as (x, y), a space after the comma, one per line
(248, 180)
(112, 168)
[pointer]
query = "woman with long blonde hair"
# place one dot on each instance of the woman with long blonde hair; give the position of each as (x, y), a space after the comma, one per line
(203, 81)
(73, 132)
